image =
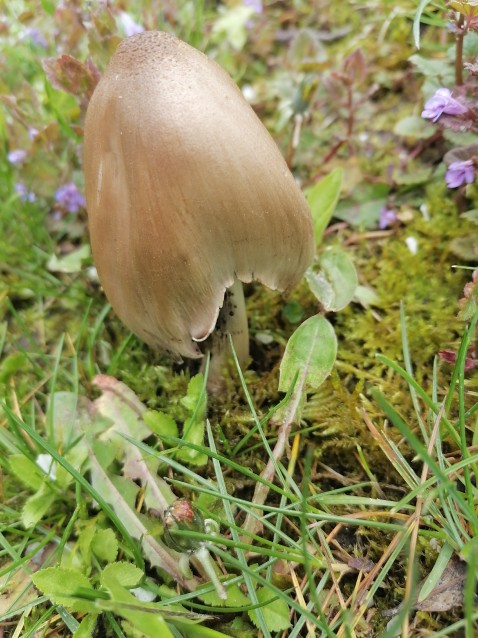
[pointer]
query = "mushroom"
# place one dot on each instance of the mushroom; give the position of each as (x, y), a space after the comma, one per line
(188, 196)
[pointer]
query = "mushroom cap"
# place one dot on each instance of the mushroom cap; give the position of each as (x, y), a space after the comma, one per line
(185, 191)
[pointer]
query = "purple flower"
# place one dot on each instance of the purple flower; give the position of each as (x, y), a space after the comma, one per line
(70, 198)
(25, 196)
(36, 37)
(387, 218)
(17, 156)
(442, 102)
(255, 5)
(130, 27)
(460, 172)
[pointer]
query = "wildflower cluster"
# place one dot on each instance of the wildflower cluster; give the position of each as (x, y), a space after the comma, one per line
(458, 111)
(460, 170)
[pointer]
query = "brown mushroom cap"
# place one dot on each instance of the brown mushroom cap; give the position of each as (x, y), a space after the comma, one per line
(185, 190)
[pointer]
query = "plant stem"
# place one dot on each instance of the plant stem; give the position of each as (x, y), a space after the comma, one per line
(232, 320)
(459, 51)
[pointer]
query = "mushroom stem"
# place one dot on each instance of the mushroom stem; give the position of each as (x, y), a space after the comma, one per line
(232, 320)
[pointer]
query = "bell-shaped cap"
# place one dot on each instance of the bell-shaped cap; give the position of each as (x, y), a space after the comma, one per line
(185, 190)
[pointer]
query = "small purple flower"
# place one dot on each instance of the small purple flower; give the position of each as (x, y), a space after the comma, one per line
(17, 156)
(130, 27)
(36, 37)
(255, 5)
(32, 132)
(387, 218)
(460, 172)
(24, 195)
(442, 102)
(70, 198)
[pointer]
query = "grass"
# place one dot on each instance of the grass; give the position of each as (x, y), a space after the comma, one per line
(370, 520)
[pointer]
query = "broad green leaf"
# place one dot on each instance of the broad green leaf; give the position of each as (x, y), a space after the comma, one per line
(195, 396)
(275, 613)
(235, 598)
(322, 199)
(160, 423)
(335, 283)
(362, 209)
(105, 545)
(193, 433)
(414, 126)
(62, 587)
(36, 506)
(126, 574)
(311, 352)
(70, 263)
(27, 471)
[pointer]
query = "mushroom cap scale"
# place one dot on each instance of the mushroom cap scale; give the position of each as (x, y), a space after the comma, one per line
(185, 191)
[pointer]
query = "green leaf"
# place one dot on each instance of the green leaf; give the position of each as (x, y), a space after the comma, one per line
(160, 423)
(12, 364)
(126, 574)
(87, 627)
(362, 210)
(105, 545)
(26, 471)
(276, 613)
(235, 598)
(311, 351)
(36, 506)
(416, 22)
(70, 263)
(436, 573)
(193, 433)
(322, 199)
(195, 396)
(62, 586)
(335, 283)
(414, 126)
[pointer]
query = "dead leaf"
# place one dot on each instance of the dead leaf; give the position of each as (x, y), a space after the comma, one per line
(448, 592)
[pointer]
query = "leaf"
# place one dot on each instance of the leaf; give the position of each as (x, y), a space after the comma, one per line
(195, 399)
(193, 433)
(66, 73)
(448, 592)
(36, 506)
(275, 613)
(12, 364)
(311, 351)
(363, 208)
(335, 284)
(62, 586)
(67, 411)
(235, 598)
(154, 550)
(26, 471)
(126, 574)
(70, 263)
(416, 22)
(231, 25)
(104, 545)
(87, 627)
(436, 573)
(414, 126)
(322, 199)
(160, 423)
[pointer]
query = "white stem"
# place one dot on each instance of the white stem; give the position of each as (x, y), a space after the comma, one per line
(204, 557)
(232, 321)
